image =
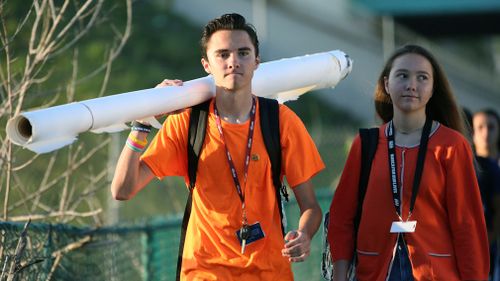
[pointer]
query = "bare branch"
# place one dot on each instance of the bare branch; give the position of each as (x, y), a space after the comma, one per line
(91, 23)
(52, 183)
(89, 192)
(59, 254)
(21, 245)
(25, 164)
(77, 16)
(119, 48)
(34, 217)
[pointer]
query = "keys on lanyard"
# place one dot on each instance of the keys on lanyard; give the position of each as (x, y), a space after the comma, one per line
(244, 235)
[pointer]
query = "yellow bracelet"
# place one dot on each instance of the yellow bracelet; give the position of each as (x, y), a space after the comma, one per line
(137, 141)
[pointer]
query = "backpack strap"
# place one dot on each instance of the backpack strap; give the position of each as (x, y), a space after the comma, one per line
(270, 127)
(196, 136)
(369, 142)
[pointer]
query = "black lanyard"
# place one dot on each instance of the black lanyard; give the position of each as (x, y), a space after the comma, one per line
(391, 145)
(248, 150)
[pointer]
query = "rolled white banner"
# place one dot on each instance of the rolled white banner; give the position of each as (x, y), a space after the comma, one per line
(48, 129)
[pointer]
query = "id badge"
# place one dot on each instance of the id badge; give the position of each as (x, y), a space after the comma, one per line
(256, 233)
(403, 226)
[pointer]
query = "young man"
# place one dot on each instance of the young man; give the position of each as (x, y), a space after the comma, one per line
(231, 195)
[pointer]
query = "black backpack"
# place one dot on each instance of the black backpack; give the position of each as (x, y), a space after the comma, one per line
(269, 123)
(369, 143)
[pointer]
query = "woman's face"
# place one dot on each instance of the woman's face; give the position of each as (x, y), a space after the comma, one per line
(486, 131)
(410, 83)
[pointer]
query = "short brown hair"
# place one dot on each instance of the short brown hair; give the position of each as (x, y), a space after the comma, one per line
(228, 22)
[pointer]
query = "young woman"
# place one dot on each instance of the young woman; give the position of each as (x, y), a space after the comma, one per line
(419, 221)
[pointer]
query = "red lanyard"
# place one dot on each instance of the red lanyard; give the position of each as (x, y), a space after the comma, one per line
(248, 150)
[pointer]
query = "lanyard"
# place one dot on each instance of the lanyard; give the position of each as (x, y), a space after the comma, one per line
(248, 150)
(391, 145)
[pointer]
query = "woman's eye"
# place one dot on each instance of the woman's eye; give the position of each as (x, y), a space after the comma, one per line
(423, 77)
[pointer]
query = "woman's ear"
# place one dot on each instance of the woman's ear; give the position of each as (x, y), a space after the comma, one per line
(386, 85)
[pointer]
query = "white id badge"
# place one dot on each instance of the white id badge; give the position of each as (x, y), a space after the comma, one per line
(403, 226)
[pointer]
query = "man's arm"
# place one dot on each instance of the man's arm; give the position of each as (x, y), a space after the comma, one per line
(298, 243)
(131, 174)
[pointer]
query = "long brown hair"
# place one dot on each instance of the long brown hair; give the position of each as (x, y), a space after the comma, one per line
(441, 107)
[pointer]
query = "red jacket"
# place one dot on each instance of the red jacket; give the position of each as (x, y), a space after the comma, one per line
(450, 240)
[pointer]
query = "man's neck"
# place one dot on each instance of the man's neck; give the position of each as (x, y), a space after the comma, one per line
(487, 152)
(234, 107)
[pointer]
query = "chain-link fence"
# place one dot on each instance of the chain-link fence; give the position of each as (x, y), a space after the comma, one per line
(144, 252)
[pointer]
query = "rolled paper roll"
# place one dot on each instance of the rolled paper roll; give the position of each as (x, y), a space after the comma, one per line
(49, 129)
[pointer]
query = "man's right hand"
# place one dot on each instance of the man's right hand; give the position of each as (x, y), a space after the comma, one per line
(168, 82)
(165, 83)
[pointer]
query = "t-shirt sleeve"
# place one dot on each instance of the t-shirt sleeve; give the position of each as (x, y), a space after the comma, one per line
(167, 153)
(300, 157)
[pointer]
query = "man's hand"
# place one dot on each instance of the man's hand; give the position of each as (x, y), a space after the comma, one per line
(165, 83)
(297, 246)
(168, 82)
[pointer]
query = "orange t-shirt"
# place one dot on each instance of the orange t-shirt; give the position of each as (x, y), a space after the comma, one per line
(211, 249)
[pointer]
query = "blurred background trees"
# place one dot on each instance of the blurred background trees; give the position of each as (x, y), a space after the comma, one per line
(55, 52)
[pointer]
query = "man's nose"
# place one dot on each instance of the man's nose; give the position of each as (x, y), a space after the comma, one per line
(233, 61)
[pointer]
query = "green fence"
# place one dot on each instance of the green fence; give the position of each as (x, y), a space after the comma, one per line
(144, 252)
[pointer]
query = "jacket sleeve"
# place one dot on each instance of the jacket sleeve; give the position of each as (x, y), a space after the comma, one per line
(344, 205)
(466, 218)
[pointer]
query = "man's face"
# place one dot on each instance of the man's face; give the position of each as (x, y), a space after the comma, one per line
(231, 60)
(485, 130)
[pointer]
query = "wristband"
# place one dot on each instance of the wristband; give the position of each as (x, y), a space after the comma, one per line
(137, 141)
(140, 129)
(135, 144)
(138, 126)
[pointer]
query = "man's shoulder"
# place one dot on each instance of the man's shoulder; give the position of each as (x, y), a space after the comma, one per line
(287, 114)
(178, 120)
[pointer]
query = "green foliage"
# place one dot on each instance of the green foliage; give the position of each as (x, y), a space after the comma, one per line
(163, 45)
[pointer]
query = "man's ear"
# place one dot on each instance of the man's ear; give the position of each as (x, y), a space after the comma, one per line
(257, 62)
(205, 65)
